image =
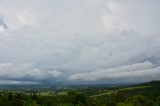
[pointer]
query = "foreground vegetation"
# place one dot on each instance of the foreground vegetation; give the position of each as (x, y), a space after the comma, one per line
(147, 94)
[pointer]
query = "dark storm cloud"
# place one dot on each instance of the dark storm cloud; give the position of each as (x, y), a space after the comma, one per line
(78, 40)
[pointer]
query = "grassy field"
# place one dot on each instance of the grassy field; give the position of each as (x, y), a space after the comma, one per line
(109, 92)
(146, 94)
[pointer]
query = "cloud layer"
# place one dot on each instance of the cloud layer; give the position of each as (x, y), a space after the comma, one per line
(86, 40)
(133, 73)
(12, 71)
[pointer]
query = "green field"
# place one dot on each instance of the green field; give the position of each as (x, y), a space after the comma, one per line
(146, 94)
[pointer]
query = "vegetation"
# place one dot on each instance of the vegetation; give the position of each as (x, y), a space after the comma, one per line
(147, 94)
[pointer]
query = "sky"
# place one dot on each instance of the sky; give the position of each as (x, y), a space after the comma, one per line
(79, 41)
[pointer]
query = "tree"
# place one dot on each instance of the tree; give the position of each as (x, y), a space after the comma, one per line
(140, 100)
(10, 96)
(124, 104)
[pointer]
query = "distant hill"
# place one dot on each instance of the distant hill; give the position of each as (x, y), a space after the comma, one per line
(151, 83)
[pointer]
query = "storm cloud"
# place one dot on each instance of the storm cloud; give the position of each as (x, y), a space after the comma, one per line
(129, 73)
(79, 40)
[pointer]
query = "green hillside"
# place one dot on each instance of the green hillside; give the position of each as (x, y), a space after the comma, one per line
(144, 94)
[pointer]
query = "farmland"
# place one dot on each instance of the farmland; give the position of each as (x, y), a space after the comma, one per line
(145, 94)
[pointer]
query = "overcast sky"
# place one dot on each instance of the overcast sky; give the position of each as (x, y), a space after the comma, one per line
(93, 41)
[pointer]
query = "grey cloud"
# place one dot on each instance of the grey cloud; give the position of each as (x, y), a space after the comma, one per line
(140, 16)
(14, 82)
(19, 72)
(128, 48)
(140, 71)
(3, 24)
(77, 36)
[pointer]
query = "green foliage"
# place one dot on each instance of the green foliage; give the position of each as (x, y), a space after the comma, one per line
(125, 104)
(10, 96)
(140, 100)
(139, 96)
